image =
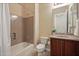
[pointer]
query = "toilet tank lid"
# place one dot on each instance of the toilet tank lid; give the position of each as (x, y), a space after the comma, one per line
(44, 37)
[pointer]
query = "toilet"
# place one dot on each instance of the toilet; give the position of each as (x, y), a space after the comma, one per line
(42, 45)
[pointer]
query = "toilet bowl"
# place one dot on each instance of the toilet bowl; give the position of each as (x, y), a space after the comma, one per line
(42, 45)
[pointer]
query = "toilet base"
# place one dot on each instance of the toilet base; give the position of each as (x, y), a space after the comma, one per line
(41, 53)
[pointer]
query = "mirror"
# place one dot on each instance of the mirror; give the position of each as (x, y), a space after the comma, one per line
(73, 19)
(66, 19)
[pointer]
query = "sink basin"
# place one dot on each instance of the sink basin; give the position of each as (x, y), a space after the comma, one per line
(64, 36)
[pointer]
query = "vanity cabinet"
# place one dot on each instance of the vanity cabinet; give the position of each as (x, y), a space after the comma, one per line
(57, 47)
(63, 47)
(77, 48)
(69, 48)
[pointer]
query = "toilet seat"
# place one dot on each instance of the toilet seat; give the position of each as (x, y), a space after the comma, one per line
(40, 46)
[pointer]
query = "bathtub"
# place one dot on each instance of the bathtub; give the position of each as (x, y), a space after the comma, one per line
(22, 49)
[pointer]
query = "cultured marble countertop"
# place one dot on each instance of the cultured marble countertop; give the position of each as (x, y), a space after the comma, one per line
(65, 36)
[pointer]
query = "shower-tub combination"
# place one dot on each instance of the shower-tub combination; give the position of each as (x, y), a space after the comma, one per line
(22, 36)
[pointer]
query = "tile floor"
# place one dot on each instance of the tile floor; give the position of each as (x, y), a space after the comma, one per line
(47, 53)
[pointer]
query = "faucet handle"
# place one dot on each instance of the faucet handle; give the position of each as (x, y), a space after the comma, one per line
(13, 36)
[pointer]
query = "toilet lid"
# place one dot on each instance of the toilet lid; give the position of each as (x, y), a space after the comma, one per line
(40, 46)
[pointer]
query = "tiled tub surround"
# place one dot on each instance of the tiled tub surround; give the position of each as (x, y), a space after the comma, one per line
(23, 29)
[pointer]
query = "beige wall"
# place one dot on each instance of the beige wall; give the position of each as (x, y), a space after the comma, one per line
(45, 19)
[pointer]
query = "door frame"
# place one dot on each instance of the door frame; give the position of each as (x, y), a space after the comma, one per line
(36, 24)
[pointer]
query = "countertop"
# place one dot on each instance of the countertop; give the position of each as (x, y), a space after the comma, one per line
(65, 37)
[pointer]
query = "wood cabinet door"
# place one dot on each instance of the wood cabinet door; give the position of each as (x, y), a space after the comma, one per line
(77, 48)
(69, 48)
(57, 47)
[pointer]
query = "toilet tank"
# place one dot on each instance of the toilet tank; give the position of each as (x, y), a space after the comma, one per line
(44, 40)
